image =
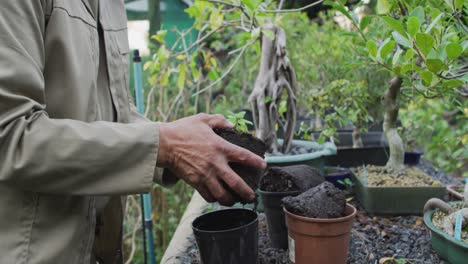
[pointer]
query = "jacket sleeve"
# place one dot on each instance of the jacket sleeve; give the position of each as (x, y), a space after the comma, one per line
(161, 176)
(59, 156)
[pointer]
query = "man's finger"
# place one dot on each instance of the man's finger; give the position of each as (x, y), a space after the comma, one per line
(236, 184)
(219, 193)
(203, 191)
(237, 154)
(218, 121)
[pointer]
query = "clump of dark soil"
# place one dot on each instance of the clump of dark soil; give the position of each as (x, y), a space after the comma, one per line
(322, 201)
(250, 175)
(290, 178)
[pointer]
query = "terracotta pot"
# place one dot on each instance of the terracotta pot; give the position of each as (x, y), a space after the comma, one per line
(319, 241)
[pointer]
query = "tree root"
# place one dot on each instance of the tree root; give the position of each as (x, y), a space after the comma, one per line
(449, 222)
(436, 203)
(275, 78)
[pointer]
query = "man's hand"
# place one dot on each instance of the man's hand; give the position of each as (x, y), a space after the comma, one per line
(193, 152)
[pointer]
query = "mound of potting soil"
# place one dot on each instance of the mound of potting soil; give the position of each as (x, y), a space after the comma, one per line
(290, 178)
(322, 201)
(250, 175)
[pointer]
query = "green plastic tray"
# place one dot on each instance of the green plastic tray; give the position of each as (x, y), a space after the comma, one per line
(455, 252)
(395, 200)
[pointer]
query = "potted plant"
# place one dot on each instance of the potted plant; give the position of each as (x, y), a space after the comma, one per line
(341, 100)
(448, 223)
(256, 25)
(420, 46)
(280, 182)
(319, 225)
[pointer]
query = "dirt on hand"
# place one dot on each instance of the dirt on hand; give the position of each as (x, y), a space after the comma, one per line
(290, 178)
(322, 201)
(250, 175)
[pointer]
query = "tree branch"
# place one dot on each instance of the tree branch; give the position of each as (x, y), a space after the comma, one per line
(292, 10)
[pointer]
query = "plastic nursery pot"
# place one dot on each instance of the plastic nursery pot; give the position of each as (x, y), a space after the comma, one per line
(319, 241)
(413, 157)
(454, 193)
(274, 213)
(336, 174)
(456, 252)
(314, 159)
(228, 236)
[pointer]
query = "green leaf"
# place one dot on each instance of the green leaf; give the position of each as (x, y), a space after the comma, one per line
(413, 26)
(435, 65)
(425, 43)
(342, 9)
(383, 6)
(372, 48)
(409, 54)
(459, 4)
(394, 24)
(386, 48)
(454, 50)
(426, 76)
(396, 57)
(400, 39)
(434, 22)
(452, 84)
(182, 73)
(419, 13)
(365, 21)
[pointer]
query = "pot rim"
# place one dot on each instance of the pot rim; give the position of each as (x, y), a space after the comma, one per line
(337, 171)
(324, 220)
(279, 193)
(255, 221)
(325, 149)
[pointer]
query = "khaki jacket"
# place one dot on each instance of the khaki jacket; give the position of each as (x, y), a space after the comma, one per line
(63, 159)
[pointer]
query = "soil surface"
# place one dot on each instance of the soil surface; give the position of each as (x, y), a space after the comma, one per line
(290, 178)
(410, 177)
(322, 201)
(250, 175)
(439, 218)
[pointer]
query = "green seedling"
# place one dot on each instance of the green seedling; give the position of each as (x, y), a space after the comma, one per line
(240, 124)
(346, 182)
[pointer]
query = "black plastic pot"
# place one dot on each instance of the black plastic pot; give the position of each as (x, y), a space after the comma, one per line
(228, 236)
(413, 157)
(336, 174)
(276, 223)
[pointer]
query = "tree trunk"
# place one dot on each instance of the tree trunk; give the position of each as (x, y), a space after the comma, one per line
(154, 16)
(275, 78)
(357, 140)
(391, 107)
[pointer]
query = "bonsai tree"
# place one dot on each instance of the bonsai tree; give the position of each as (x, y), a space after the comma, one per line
(343, 102)
(450, 220)
(421, 44)
(255, 23)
